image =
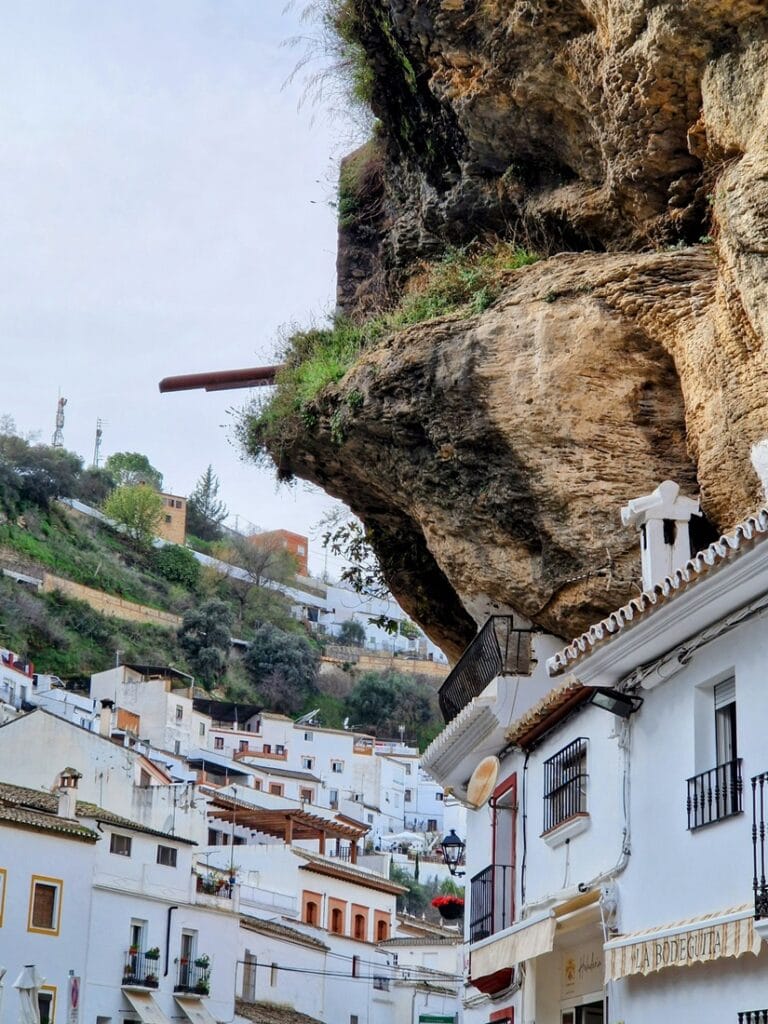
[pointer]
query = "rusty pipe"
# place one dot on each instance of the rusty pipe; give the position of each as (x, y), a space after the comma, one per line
(221, 380)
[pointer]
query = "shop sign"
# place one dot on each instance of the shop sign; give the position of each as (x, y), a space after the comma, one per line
(582, 970)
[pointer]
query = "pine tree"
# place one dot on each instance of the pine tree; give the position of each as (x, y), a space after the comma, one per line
(205, 512)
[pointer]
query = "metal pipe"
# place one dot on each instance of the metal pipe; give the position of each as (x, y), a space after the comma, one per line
(168, 940)
(221, 380)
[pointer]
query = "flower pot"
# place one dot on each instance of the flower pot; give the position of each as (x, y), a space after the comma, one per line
(451, 911)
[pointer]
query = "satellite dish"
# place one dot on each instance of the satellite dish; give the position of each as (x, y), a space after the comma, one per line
(483, 781)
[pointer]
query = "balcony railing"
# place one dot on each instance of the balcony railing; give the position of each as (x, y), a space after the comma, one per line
(491, 901)
(140, 969)
(193, 977)
(759, 885)
(498, 650)
(715, 794)
(753, 1017)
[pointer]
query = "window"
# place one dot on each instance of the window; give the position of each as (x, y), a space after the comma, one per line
(267, 748)
(438, 796)
(369, 818)
(273, 975)
(431, 824)
(565, 784)
(333, 798)
(407, 769)
(177, 746)
(309, 736)
(168, 519)
(45, 905)
(279, 748)
(257, 783)
(202, 729)
(717, 793)
(242, 746)
(276, 788)
(408, 796)
(120, 844)
(360, 923)
(307, 795)
(249, 977)
(218, 743)
(311, 913)
(337, 913)
(167, 855)
(179, 712)
(337, 767)
(381, 983)
(355, 974)
(382, 926)
(308, 763)
(178, 504)
(300, 549)
(492, 891)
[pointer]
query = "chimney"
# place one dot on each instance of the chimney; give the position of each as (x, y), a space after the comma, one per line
(67, 792)
(662, 520)
(105, 718)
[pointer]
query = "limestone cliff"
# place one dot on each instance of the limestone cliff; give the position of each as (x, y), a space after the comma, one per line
(627, 140)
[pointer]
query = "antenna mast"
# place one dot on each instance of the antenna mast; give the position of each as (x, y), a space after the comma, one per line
(97, 444)
(58, 434)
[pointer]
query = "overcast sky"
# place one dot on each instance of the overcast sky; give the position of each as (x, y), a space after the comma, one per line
(163, 210)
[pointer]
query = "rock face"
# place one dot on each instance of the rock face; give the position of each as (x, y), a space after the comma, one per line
(490, 456)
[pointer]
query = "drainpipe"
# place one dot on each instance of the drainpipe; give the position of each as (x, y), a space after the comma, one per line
(168, 940)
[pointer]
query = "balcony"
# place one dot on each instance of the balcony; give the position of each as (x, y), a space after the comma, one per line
(714, 795)
(753, 1017)
(759, 884)
(498, 650)
(491, 901)
(141, 970)
(193, 977)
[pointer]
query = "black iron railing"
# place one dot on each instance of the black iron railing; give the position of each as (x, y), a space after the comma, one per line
(715, 794)
(193, 977)
(753, 1017)
(498, 650)
(140, 969)
(491, 894)
(759, 885)
(565, 784)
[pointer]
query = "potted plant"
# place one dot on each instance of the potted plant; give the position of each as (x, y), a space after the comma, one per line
(449, 907)
(153, 953)
(203, 987)
(151, 981)
(133, 950)
(203, 960)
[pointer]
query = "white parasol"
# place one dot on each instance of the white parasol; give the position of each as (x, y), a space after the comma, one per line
(29, 983)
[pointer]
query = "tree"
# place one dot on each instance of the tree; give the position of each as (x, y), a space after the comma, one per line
(178, 565)
(262, 561)
(205, 636)
(205, 512)
(94, 486)
(352, 633)
(283, 667)
(138, 508)
(382, 702)
(35, 474)
(131, 468)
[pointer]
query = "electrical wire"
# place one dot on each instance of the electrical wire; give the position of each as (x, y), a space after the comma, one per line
(407, 973)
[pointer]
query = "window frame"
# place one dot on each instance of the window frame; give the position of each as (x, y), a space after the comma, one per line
(49, 990)
(3, 888)
(120, 853)
(58, 885)
(172, 863)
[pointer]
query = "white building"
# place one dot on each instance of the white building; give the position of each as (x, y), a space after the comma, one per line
(614, 875)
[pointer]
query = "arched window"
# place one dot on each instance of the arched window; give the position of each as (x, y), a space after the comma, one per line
(337, 921)
(382, 931)
(360, 929)
(311, 912)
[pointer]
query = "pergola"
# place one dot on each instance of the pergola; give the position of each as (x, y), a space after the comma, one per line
(287, 823)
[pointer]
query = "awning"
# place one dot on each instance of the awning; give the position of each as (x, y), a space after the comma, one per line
(146, 1007)
(524, 943)
(195, 1010)
(697, 940)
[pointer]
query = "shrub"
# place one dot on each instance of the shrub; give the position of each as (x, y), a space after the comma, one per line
(178, 565)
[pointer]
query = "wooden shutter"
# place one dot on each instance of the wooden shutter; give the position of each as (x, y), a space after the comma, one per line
(43, 906)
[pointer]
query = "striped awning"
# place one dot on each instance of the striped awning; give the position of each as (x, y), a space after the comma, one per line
(726, 933)
(523, 943)
(145, 1006)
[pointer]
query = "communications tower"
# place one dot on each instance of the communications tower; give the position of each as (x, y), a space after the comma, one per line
(58, 434)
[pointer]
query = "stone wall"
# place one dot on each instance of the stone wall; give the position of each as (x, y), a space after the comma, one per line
(109, 604)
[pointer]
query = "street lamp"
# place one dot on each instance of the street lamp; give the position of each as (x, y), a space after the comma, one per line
(453, 850)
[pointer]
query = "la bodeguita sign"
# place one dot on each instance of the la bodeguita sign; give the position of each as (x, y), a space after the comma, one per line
(729, 935)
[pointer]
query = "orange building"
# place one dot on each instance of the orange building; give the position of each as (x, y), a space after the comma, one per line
(293, 543)
(173, 525)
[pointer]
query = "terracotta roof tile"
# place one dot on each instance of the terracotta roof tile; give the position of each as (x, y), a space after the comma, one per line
(272, 1013)
(281, 931)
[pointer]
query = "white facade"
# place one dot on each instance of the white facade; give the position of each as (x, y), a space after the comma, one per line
(611, 876)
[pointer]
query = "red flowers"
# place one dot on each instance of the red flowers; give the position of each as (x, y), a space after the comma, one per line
(448, 901)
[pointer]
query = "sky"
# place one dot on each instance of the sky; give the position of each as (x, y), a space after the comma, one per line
(164, 209)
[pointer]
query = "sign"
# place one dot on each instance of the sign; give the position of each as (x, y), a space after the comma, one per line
(436, 1018)
(73, 1014)
(697, 941)
(582, 971)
